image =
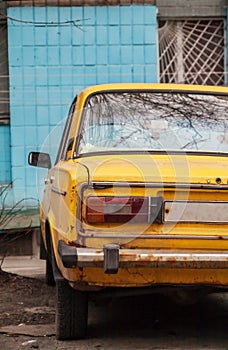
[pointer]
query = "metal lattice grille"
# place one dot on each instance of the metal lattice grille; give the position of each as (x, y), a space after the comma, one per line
(192, 52)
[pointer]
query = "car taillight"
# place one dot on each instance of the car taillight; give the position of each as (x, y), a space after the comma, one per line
(117, 209)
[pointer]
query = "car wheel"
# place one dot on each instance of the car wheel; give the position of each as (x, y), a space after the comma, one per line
(71, 312)
(49, 276)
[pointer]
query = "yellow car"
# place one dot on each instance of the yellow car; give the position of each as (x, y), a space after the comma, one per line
(137, 200)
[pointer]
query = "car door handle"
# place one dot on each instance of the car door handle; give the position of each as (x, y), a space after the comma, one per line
(52, 178)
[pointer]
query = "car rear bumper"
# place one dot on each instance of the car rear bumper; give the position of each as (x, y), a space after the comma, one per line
(111, 258)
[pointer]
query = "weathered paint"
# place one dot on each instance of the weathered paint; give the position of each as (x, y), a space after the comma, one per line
(185, 253)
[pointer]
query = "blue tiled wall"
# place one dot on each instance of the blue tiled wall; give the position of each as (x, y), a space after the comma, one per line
(50, 63)
(5, 164)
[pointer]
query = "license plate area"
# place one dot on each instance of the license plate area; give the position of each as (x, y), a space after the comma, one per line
(196, 211)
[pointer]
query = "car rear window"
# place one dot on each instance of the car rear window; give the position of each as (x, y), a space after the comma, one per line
(150, 121)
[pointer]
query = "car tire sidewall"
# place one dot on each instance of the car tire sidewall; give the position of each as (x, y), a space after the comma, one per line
(71, 312)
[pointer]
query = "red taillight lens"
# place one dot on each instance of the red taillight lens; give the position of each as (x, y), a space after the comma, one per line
(117, 209)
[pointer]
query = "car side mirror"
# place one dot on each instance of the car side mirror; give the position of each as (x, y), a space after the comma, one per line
(39, 159)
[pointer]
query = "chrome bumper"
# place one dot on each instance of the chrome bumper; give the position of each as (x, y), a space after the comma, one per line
(111, 258)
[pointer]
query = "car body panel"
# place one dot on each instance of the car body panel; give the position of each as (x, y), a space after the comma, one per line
(199, 178)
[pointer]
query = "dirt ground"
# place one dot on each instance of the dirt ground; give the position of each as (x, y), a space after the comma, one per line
(25, 301)
(27, 307)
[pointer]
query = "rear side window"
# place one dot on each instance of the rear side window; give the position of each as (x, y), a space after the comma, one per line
(66, 143)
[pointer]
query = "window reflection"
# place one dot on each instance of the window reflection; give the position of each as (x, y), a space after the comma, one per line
(148, 121)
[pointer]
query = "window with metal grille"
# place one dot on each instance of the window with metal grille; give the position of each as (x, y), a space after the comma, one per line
(4, 75)
(192, 51)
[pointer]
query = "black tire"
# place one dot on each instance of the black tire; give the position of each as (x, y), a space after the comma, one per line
(49, 276)
(71, 312)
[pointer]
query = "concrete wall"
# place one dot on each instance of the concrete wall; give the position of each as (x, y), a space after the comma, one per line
(177, 9)
(50, 61)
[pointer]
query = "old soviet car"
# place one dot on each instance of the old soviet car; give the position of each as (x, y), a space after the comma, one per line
(138, 196)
